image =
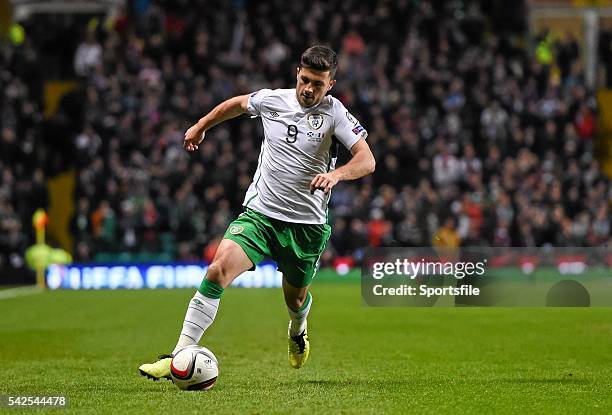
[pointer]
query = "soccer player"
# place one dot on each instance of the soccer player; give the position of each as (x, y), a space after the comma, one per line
(285, 207)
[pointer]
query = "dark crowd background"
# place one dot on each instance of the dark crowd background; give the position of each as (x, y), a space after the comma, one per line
(479, 141)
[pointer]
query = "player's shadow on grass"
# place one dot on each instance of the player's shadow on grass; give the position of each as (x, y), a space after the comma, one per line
(398, 382)
(349, 382)
(545, 381)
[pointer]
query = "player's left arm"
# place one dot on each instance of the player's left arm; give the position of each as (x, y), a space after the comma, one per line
(361, 164)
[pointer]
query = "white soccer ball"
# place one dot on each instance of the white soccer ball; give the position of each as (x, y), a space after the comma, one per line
(194, 368)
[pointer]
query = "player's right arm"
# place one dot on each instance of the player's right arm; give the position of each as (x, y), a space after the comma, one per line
(226, 110)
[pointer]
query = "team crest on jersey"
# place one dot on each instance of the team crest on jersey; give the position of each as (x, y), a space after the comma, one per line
(236, 229)
(315, 121)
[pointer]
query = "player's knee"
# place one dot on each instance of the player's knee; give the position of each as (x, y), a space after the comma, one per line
(295, 301)
(216, 273)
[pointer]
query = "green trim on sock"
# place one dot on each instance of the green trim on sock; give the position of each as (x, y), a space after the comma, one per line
(210, 289)
(306, 303)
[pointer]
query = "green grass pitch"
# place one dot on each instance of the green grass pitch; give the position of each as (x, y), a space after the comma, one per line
(87, 345)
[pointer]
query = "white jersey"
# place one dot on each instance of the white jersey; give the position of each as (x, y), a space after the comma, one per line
(298, 144)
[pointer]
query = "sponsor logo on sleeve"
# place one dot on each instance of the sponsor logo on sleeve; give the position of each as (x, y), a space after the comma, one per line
(351, 119)
(273, 114)
(358, 130)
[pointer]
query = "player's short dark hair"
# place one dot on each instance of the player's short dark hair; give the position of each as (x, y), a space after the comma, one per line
(320, 58)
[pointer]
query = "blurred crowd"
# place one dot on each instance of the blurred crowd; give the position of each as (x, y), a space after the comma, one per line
(22, 176)
(478, 140)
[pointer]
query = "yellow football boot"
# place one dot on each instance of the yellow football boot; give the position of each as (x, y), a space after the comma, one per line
(157, 370)
(299, 348)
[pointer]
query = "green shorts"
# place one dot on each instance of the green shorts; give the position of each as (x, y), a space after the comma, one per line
(296, 247)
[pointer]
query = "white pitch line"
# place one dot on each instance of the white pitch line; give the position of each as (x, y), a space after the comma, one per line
(20, 291)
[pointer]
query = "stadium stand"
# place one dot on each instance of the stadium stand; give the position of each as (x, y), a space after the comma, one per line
(479, 140)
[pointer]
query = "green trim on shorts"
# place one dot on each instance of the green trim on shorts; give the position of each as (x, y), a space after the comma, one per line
(296, 247)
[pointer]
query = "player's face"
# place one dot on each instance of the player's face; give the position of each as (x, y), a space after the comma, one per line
(312, 86)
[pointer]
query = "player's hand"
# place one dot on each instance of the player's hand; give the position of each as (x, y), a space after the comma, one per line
(323, 182)
(193, 138)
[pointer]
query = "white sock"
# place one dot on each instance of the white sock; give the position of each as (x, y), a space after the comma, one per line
(298, 318)
(200, 315)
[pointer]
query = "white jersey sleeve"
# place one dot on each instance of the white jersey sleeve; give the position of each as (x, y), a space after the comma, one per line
(256, 100)
(347, 129)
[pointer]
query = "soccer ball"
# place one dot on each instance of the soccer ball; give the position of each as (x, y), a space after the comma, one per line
(194, 368)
